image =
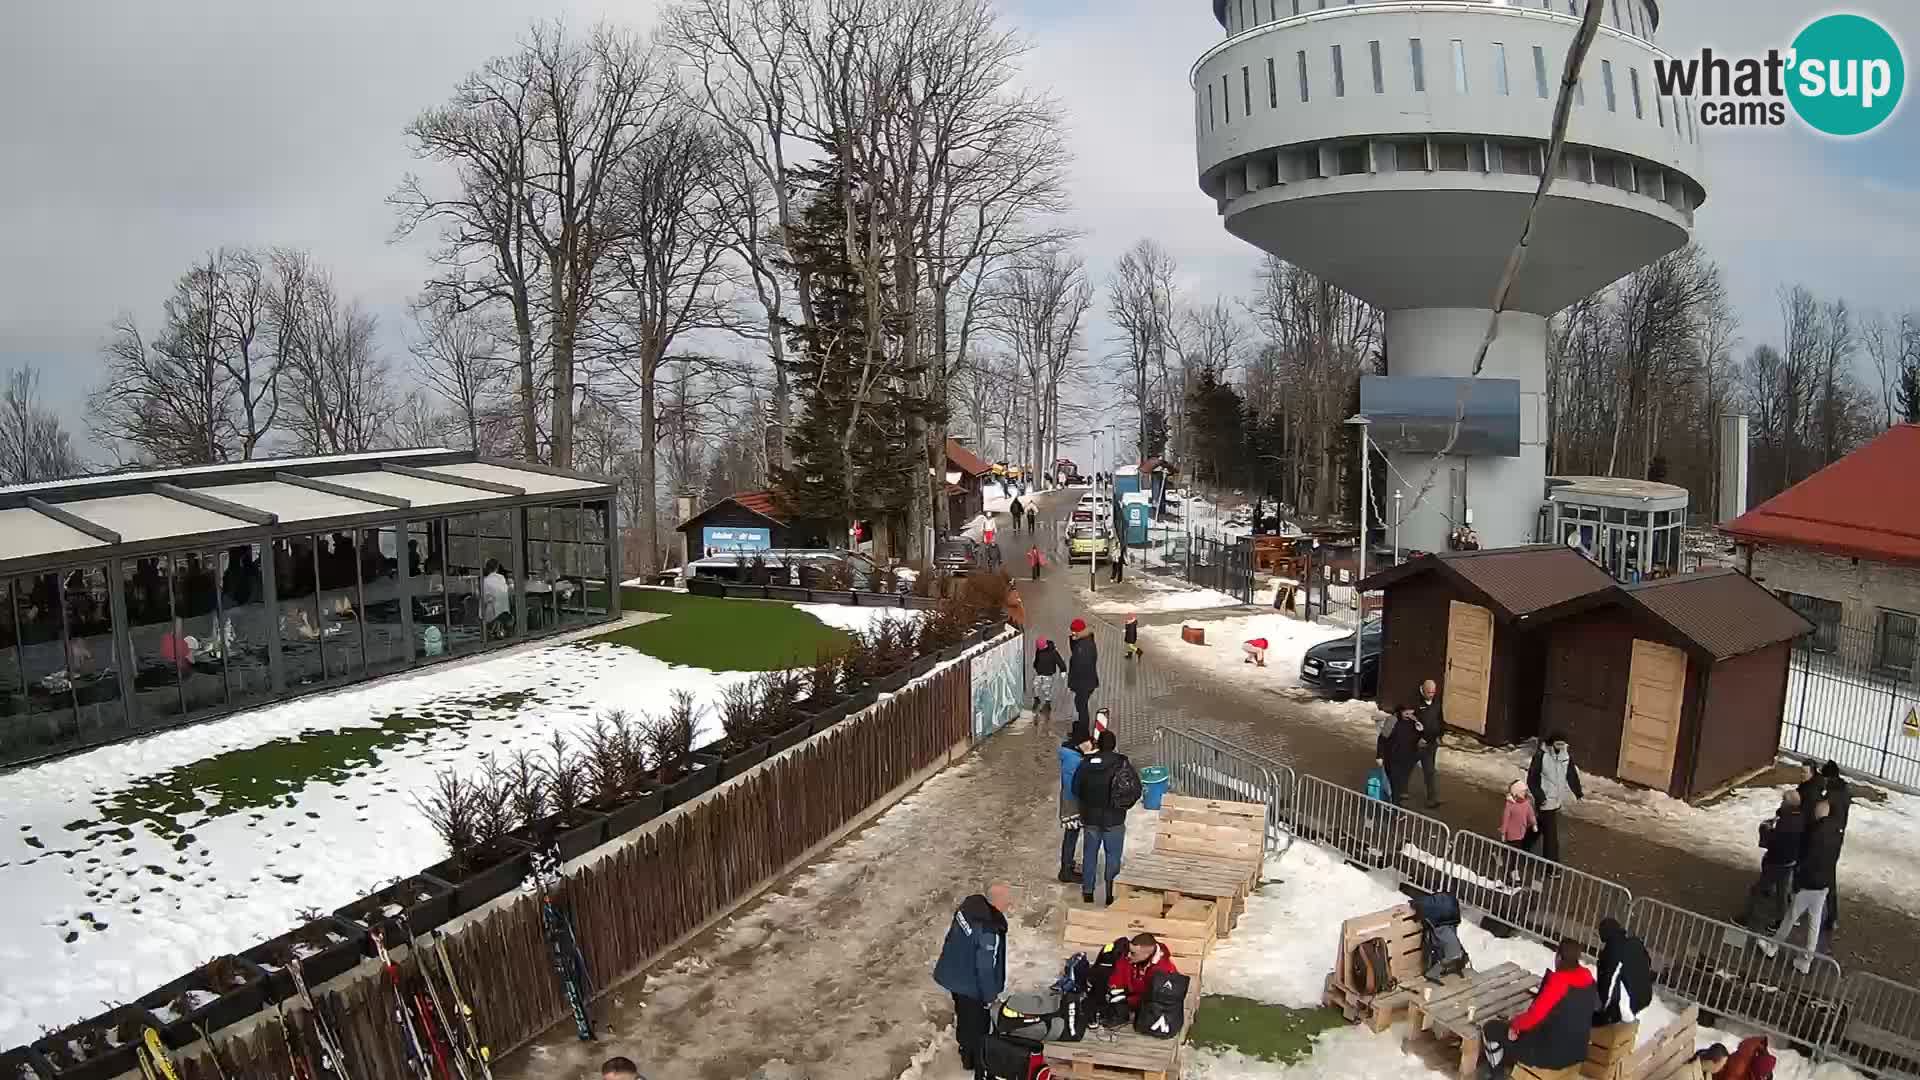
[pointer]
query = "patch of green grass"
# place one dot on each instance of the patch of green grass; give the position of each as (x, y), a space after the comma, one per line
(1269, 1032)
(723, 635)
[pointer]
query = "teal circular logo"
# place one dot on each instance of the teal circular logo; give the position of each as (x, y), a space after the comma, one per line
(1846, 76)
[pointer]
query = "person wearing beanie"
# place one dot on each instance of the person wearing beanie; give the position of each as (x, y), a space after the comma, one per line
(1076, 746)
(1047, 669)
(1839, 801)
(1083, 669)
(1103, 825)
(1133, 635)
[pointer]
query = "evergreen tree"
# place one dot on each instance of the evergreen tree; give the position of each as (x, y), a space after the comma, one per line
(1155, 439)
(1906, 396)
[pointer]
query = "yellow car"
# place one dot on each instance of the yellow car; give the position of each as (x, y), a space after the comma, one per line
(1091, 542)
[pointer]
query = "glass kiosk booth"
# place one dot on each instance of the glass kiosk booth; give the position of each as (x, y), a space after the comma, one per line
(1631, 528)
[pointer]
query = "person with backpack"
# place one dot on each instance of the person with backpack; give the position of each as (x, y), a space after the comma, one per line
(1781, 837)
(1017, 513)
(1397, 750)
(1106, 786)
(1071, 752)
(1552, 1032)
(1132, 636)
(973, 965)
(1083, 668)
(1555, 784)
(1033, 517)
(1625, 982)
(1840, 798)
(1047, 669)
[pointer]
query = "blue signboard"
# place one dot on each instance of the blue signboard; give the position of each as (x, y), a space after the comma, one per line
(717, 538)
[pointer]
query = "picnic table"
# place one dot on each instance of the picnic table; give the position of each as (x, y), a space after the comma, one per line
(1456, 1011)
(1177, 876)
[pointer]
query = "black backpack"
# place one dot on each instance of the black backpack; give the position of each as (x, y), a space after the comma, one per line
(1102, 1007)
(1008, 1057)
(1163, 1008)
(1123, 790)
(1440, 920)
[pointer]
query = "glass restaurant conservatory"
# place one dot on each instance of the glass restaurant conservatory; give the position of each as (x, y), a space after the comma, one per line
(140, 601)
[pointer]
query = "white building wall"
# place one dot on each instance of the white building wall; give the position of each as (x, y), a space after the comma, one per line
(1862, 587)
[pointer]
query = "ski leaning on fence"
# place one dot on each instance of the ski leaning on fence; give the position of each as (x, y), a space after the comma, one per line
(562, 943)
(476, 1051)
(154, 1061)
(332, 1058)
(419, 1061)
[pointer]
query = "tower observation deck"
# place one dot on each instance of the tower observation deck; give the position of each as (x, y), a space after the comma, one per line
(1393, 148)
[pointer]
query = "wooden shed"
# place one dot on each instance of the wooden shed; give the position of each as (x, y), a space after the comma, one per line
(1676, 684)
(747, 521)
(1473, 621)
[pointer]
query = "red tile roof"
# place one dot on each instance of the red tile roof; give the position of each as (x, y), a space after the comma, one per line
(966, 460)
(759, 502)
(1859, 506)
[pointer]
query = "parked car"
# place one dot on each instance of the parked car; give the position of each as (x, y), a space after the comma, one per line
(1092, 541)
(957, 556)
(1329, 665)
(804, 567)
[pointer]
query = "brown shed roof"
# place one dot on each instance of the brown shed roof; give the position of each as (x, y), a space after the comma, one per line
(966, 460)
(1520, 581)
(763, 503)
(1722, 611)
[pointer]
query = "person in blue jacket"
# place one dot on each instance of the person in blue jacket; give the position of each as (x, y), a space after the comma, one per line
(973, 965)
(1078, 744)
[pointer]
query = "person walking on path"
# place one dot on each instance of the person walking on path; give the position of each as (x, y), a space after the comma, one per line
(1781, 837)
(1839, 798)
(1812, 880)
(1433, 724)
(973, 965)
(1016, 513)
(1083, 668)
(1555, 784)
(1519, 826)
(1033, 517)
(1132, 635)
(1625, 977)
(1396, 750)
(1107, 787)
(1035, 560)
(1016, 608)
(1119, 559)
(1047, 669)
(1074, 749)
(1552, 1033)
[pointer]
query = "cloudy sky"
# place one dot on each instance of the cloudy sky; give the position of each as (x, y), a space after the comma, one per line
(139, 135)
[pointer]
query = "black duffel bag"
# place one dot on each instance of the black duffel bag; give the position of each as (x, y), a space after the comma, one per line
(1008, 1057)
(1163, 1008)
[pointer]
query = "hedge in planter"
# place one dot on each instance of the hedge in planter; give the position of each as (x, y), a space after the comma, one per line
(324, 948)
(425, 901)
(99, 1048)
(219, 993)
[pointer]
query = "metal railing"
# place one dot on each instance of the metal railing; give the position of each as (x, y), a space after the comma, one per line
(1531, 895)
(1848, 693)
(1867, 1021)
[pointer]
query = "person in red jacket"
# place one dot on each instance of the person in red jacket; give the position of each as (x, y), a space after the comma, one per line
(1145, 957)
(1553, 1031)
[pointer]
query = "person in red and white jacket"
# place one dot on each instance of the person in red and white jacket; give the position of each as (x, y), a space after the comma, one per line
(1553, 1031)
(1145, 957)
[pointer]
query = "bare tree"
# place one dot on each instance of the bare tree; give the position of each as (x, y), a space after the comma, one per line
(169, 401)
(1142, 303)
(1881, 340)
(1040, 304)
(34, 445)
(420, 420)
(336, 391)
(459, 354)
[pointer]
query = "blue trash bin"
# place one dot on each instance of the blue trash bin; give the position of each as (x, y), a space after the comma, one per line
(1154, 781)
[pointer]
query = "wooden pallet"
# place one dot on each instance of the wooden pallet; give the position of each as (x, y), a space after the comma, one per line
(1216, 828)
(1186, 929)
(1122, 1053)
(1608, 1049)
(1667, 1055)
(1453, 1013)
(1406, 962)
(1189, 877)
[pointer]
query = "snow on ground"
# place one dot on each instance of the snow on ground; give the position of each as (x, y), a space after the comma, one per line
(1288, 639)
(852, 617)
(129, 865)
(1166, 594)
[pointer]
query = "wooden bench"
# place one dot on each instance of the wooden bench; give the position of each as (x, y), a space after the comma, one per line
(1177, 876)
(1608, 1049)
(1667, 1055)
(1187, 928)
(1454, 1011)
(1400, 929)
(1214, 828)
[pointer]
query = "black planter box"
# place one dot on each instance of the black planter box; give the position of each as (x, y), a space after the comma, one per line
(475, 879)
(700, 779)
(861, 699)
(826, 718)
(822, 596)
(104, 1064)
(790, 738)
(790, 593)
(425, 900)
(228, 1005)
(624, 817)
(891, 684)
(574, 833)
(699, 586)
(22, 1062)
(327, 959)
(732, 765)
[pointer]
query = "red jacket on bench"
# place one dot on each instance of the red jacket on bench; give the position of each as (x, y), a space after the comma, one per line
(1560, 1019)
(1134, 977)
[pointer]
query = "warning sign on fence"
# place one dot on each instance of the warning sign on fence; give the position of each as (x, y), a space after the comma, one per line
(1913, 721)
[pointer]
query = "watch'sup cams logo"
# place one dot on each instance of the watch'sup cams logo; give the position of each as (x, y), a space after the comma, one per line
(1843, 76)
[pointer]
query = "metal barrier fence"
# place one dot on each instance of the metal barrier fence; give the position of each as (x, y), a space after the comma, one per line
(1532, 895)
(1790, 991)
(1880, 1032)
(1377, 835)
(1869, 1022)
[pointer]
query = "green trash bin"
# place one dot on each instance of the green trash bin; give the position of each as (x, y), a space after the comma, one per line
(1154, 781)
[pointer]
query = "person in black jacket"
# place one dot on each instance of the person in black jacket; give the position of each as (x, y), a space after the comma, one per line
(1840, 798)
(1397, 750)
(1433, 724)
(1552, 1033)
(1083, 668)
(1625, 981)
(1103, 826)
(1812, 880)
(1047, 668)
(1781, 837)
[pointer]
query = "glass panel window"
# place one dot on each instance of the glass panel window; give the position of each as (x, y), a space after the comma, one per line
(244, 622)
(1273, 86)
(1246, 92)
(1660, 109)
(296, 585)
(1616, 14)
(1212, 116)
(196, 600)
(1500, 68)
(1540, 71)
(1822, 613)
(1419, 65)
(464, 614)
(1633, 82)
(1606, 80)
(426, 567)
(340, 623)
(1296, 7)
(48, 673)
(567, 558)
(98, 710)
(499, 592)
(15, 734)
(1300, 60)
(1373, 57)
(380, 634)
(1226, 99)
(160, 650)
(1459, 66)
(541, 613)
(1894, 644)
(596, 570)
(1339, 74)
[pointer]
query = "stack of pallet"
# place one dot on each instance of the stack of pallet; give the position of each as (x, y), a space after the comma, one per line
(1203, 849)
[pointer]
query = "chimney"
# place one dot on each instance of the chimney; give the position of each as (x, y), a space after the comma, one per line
(1733, 468)
(682, 510)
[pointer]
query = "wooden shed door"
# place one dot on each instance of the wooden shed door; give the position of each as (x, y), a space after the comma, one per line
(1469, 666)
(1656, 685)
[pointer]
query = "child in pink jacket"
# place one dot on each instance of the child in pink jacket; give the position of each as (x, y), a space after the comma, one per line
(1518, 824)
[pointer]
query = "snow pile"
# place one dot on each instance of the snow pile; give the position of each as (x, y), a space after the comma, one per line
(852, 617)
(1168, 596)
(1288, 639)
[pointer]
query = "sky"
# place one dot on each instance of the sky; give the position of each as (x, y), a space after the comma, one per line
(138, 139)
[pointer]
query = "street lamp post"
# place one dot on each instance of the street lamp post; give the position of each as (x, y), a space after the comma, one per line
(1396, 525)
(1359, 598)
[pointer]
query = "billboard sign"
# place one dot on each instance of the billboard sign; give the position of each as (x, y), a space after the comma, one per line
(1415, 414)
(718, 538)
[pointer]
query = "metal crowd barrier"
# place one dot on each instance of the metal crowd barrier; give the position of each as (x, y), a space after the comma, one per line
(1532, 895)
(1879, 1034)
(1377, 835)
(1736, 973)
(1209, 768)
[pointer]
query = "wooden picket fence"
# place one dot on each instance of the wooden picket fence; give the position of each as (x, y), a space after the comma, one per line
(649, 892)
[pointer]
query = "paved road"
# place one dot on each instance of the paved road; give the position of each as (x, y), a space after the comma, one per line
(1148, 693)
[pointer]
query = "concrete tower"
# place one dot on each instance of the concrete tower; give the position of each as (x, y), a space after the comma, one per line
(1393, 147)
